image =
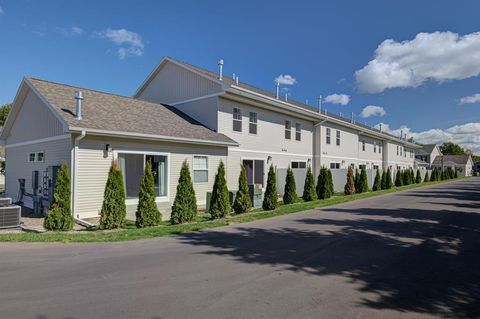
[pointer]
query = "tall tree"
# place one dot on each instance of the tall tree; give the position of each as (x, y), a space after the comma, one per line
(426, 178)
(290, 190)
(383, 183)
(309, 192)
(363, 182)
(184, 208)
(331, 189)
(270, 198)
(377, 184)
(113, 212)
(4, 110)
(399, 179)
(450, 148)
(220, 201)
(322, 184)
(349, 188)
(418, 178)
(242, 203)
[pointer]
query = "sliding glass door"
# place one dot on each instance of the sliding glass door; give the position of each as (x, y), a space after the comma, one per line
(255, 171)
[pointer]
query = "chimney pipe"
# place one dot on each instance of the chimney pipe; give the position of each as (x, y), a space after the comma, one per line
(380, 128)
(286, 96)
(277, 87)
(351, 117)
(401, 134)
(236, 80)
(79, 99)
(233, 76)
(319, 104)
(220, 64)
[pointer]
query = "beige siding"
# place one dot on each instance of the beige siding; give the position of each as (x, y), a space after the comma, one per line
(401, 160)
(34, 121)
(17, 165)
(372, 155)
(204, 110)
(270, 135)
(94, 162)
(347, 153)
(174, 83)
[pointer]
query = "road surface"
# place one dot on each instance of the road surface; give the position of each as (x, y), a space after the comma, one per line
(412, 254)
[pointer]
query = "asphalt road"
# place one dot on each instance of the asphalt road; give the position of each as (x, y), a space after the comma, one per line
(413, 254)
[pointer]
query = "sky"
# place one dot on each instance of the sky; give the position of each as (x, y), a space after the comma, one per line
(411, 65)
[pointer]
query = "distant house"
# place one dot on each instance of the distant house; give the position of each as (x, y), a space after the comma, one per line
(462, 163)
(427, 154)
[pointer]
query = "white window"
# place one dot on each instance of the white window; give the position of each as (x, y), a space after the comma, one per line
(380, 148)
(36, 157)
(375, 166)
(132, 166)
(200, 169)
(298, 131)
(299, 164)
(338, 138)
(401, 150)
(334, 165)
(40, 156)
(237, 119)
(374, 146)
(328, 135)
(31, 157)
(363, 145)
(397, 150)
(252, 123)
(288, 130)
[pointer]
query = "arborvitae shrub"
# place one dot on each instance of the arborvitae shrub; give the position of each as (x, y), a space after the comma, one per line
(418, 178)
(220, 201)
(426, 178)
(377, 183)
(309, 192)
(357, 181)
(349, 188)
(383, 182)
(363, 182)
(290, 190)
(389, 183)
(322, 184)
(455, 175)
(113, 210)
(443, 176)
(433, 175)
(399, 179)
(405, 175)
(270, 199)
(331, 189)
(59, 216)
(242, 203)
(147, 213)
(184, 208)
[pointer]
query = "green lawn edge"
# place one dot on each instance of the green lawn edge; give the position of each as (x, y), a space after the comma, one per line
(131, 233)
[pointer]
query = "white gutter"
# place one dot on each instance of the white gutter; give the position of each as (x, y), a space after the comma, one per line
(74, 171)
(151, 137)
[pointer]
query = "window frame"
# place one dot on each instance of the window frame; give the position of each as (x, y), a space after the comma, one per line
(374, 146)
(298, 162)
(201, 170)
(328, 136)
(363, 146)
(237, 117)
(29, 157)
(43, 157)
(250, 123)
(288, 129)
(298, 132)
(336, 165)
(338, 136)
(158, 199)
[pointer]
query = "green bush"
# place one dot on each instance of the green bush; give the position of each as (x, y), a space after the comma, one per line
(59, 216)
(426, 178)
(405, 175)
(290, 190)
(349, 188)
(383, 183)
(433, 175)
(270, 199)
(363, 181)
(323, 189)
(330, 187)
(377, 184)
(184, 208)
(113, 210)
(357, 182)
(309, 192)
(455, 175)
(147, 213)
(418, 179)
(389, 183)
(220, 201)
(399, 179)
(242, 203)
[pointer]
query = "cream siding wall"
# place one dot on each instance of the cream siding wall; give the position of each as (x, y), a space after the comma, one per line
(174, 84)
(205, 111)
(434, 154)
(34, 121)
(17, 165)
(400, 160)
(371, 156)
(345, 154)
(94, 162)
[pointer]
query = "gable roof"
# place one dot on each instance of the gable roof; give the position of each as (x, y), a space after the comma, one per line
(428, 148)
(113, 114)
(291, 104)
(457, 159)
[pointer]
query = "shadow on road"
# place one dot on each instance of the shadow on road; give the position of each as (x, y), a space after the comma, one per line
(422, 260)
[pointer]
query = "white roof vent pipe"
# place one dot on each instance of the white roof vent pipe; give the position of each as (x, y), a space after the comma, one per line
(351, 117)
(233, 76)
(236, 80)
(319, 104)
(220, 65)
(380, 127)
(78, 109)
(286, 96)
(277, 89)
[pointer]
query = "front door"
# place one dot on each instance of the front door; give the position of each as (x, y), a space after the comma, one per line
(255, 171)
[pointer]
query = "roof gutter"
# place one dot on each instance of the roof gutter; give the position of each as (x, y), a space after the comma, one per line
(152, 137)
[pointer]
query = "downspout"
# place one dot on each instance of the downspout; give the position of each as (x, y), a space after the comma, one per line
(74, 175)
(320, 147)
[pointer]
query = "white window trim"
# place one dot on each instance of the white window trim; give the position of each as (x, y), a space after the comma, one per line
(249, 122)
(35, 157)
(265, 168)
(299, 124)
(334, 162)
(289, 129)
(328, 136)
(193, 170)
(299, 161)
(338, 136)
(240, 120)
(158, 199)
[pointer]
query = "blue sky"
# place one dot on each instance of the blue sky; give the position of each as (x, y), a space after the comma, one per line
(416, 80)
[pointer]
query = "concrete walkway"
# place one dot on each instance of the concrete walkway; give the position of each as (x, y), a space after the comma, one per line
(413, 254)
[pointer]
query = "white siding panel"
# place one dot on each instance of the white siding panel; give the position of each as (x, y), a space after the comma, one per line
(34, 121)
(204, 111)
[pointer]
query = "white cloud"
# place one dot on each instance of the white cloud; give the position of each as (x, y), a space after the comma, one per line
(372, 110)
(131, 43)
(341, 99)
(475, 98)
(437, 56)
(467, 135)
(72, 32)
(286, 79)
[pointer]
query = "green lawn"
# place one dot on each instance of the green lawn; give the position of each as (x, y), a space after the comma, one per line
(130, 232)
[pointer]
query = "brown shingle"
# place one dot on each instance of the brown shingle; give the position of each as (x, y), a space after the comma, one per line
(115, 113)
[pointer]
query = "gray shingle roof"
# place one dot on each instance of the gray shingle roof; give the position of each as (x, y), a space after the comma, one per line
(428, 148)
(115, 113)
(457, 159)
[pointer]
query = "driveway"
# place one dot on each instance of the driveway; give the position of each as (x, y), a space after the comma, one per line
(412, 254)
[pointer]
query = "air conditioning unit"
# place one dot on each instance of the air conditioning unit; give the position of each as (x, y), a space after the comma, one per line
(10, 216)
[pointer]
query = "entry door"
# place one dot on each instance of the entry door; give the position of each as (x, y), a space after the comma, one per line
(255, 171)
